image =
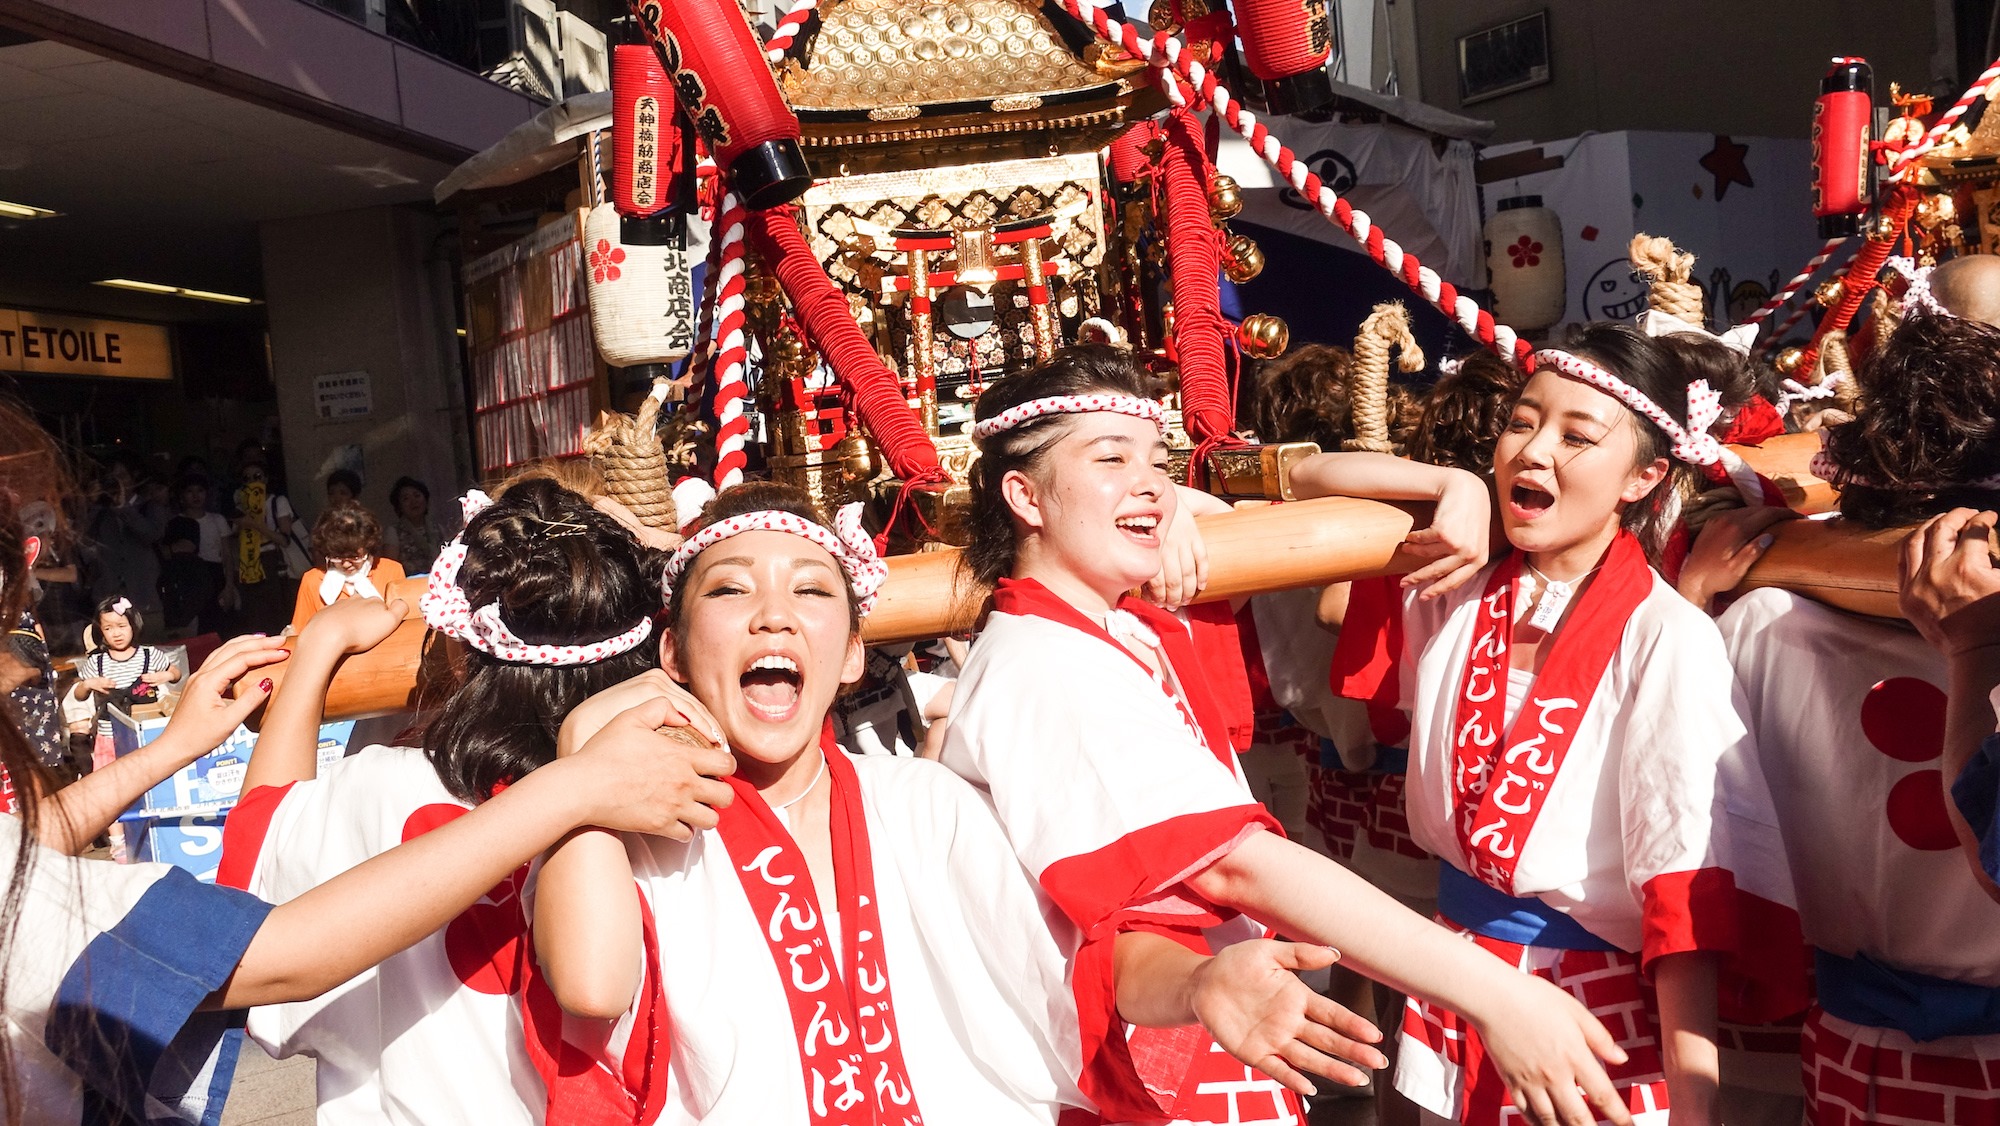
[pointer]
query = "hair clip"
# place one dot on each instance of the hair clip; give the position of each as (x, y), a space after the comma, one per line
(567, 528)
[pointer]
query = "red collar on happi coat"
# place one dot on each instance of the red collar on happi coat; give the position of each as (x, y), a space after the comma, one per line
(843, 1015)
(1029, 598)
(1501, 775)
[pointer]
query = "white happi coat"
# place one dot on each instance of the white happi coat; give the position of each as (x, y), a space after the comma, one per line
(1086, 758)
(976, 958)
(433, 1034)
(1849, 716)
(1659, 785)
(1112, 799)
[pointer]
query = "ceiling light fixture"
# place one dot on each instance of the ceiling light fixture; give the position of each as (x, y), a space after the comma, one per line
(24, 211)
(177, 291)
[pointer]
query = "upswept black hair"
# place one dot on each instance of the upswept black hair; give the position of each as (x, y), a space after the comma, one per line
(1464, 412)
(1927, 426)
(1659, 373)
(1077, 370)
(740, 500)
(562, 573)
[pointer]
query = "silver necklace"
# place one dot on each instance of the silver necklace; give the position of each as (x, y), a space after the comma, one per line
(817, 775)
(1554, 599)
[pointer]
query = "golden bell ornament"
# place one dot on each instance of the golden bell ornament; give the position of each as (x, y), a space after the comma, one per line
(1243, 259)
(1225, 198)
(1263, 336)
(1882, 228)
(1935, 211)
(1789, 361)
(1830, 292)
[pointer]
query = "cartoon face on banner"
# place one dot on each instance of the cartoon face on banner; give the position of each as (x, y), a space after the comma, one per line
(1334, 170)
(1614, 292)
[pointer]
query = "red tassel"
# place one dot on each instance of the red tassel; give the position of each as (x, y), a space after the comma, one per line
(726, 89)
(867, 386)
(1194, 247)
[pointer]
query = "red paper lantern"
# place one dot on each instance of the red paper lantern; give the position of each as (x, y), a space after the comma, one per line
(646, 157)
(1841, 120)
(1287, 44)
(725, 87)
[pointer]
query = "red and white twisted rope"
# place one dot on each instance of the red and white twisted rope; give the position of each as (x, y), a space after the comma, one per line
(1785, 293)
(732, 354)
(788, 30)
(1199, 81)
(1907, 159)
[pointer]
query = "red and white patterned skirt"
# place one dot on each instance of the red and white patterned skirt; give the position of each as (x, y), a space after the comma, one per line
(1355, 805)
(1442, 1065)
(1858, 1074)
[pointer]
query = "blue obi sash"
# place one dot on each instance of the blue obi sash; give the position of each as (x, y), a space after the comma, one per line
(1495, 914)
(1864, 991)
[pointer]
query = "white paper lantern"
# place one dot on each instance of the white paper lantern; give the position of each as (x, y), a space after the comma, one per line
(642, 299)
(1524, 257)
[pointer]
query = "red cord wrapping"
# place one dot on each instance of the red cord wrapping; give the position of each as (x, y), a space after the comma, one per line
(1196, 83)
(867, 387)
(1862, 272)
(1195, 249)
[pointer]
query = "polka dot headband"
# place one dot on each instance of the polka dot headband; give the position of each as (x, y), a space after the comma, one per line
(1008, 419)
(852, 547)
(447, 610)
(1692, 443)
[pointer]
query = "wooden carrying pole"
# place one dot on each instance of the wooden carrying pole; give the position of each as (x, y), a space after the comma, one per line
(1251, 550)
(1271, 547)
(1786, 460)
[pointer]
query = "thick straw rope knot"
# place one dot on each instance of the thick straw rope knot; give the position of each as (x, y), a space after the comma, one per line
(1006, 420)
(447, 610)
(1692, 443)
(849, 544)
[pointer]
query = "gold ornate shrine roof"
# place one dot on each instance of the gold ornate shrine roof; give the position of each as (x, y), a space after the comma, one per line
(1965, 157)
(887, 70)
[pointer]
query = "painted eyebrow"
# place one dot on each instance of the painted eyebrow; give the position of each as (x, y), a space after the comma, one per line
(746, 561)
(1576, 415)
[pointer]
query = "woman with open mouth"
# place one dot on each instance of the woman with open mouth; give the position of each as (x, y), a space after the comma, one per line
(1084, 714)
(1578, 760)
(854, 941)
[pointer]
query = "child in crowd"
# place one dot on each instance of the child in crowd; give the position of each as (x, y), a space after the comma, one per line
(347, 542)
(119, 670)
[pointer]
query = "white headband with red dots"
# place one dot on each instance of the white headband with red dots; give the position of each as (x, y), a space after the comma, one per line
(1692, 443)
(447, 610)
(846, 541)
(1137, 407)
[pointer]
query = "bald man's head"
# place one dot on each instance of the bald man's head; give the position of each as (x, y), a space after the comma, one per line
(1969, 287)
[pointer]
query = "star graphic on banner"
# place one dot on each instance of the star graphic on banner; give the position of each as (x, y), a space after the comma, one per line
(1725, 160)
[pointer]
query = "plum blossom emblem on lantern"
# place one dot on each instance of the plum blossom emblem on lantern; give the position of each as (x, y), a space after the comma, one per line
(1525, 252)
(605, 260)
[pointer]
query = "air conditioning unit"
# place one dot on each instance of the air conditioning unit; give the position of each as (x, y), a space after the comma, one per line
(586, 57)
(520, 46)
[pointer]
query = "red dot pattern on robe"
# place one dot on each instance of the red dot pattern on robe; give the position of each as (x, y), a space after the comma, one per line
(1917, 813)
(484, 943)
(1903, 717)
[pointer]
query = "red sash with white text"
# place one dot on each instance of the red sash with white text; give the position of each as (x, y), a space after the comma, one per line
(1499, 785)
(845, 1022)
